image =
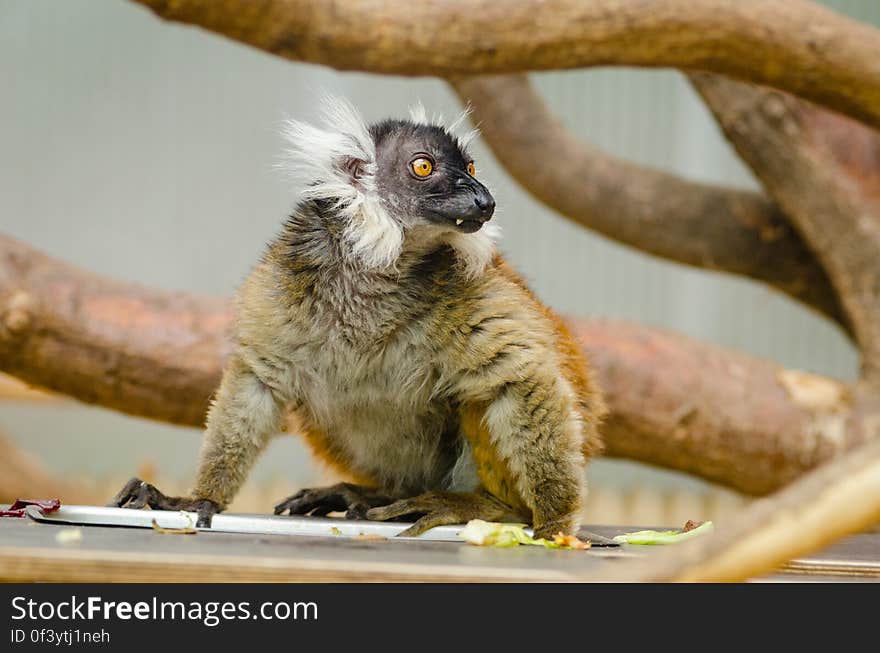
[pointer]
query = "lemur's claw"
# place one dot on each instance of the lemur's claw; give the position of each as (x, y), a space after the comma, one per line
(140, 494)
(355, 500)
(129, 496)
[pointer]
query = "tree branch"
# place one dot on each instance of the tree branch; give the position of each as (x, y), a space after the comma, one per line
(794, 45)
(697, 224)
(698, 408)
(119, 345)
(674, 402)
(833, 204)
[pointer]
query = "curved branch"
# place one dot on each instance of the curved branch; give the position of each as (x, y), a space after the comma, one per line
(697, 224)
(814, 175)
(674, 402)
(794, 45)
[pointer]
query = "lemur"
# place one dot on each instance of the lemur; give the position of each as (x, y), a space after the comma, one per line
(412, 358)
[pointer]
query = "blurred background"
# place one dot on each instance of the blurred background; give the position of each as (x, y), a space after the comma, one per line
(145, 151)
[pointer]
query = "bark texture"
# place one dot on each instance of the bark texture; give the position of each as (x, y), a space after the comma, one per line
(722, 415)
(702, 225)
(794, 45)
(143, 352)
(829, 197)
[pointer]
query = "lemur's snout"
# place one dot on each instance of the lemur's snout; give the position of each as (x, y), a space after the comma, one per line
(471, 217)
(485, 204)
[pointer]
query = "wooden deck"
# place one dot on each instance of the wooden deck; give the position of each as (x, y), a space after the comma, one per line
(33, 552)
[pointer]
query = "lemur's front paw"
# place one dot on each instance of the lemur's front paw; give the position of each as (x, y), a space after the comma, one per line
(566, 525)
(355, 500)
(140, 494)
(442, 508)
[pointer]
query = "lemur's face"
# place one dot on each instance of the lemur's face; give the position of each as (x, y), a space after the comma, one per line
(423, 173)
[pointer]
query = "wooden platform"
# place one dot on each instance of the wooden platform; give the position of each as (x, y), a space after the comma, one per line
(34, 552)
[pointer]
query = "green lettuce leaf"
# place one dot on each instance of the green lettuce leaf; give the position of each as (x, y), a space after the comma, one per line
(484, 533)
(664, 537)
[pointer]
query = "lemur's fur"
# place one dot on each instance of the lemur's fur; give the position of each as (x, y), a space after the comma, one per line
(412, 358)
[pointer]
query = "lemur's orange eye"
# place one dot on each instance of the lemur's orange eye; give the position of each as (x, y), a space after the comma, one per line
(472, 171)
(422, 167)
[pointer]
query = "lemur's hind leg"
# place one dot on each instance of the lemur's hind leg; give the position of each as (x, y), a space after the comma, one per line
(355, 500)
(442, 508)
(140, 494)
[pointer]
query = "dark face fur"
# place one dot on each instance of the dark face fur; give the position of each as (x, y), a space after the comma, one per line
(423, 172)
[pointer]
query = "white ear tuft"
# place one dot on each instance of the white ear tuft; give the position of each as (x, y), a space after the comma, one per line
(336, 161)
(317, 158)
(418, 114)
(460, 129)
(460, 119)
(457, 128)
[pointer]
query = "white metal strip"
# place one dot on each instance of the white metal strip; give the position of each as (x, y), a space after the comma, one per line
(232, 523)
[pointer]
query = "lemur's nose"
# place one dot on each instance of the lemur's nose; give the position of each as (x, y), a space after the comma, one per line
(486, 204)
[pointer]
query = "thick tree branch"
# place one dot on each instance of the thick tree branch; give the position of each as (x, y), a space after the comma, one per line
(674, 402)
(697, 224)
(119, 345)
(832, 203)
(722, 415)
(794, 45)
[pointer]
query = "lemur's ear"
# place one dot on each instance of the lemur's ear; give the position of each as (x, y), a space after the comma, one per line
(332, 160)
(355, 168)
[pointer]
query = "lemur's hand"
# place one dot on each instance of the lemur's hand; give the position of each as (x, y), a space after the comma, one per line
(140, 494)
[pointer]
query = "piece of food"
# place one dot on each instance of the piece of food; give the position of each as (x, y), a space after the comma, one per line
(370, 536)
(186, 530)
(484, 533)
(67, 535)
(570, 542)
(664, 537)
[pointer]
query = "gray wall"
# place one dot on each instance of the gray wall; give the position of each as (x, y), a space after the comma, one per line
(144, 151)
